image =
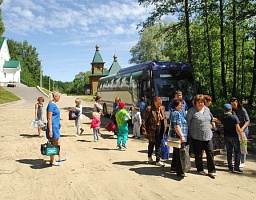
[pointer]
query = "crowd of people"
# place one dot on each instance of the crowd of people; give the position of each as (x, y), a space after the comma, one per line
(194, 127)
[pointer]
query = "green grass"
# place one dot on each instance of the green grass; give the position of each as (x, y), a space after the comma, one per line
(88, 98)
(6, 96)
(45, 91)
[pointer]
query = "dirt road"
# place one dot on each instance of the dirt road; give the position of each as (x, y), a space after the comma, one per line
(96, 170)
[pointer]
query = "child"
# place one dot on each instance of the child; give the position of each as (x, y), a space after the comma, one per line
(95, 124)
(78, 108)
(122, 117)
(39, 114)
(136, 121)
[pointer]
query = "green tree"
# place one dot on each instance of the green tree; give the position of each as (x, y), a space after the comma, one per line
(150, 46)
(2, 28)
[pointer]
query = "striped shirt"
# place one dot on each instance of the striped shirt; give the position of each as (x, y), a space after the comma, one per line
(199, 124)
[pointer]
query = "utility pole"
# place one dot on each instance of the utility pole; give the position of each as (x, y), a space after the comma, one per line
(41, 75)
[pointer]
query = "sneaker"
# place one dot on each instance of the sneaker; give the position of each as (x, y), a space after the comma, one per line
(173, 170)
(230, 170)
(242, 165)
(238, 171)
(150, 159)
(82, 130)
(133, 136)
(212, 174)
(118, 147)
(202, 173)
(160, 164)
(223, 152)
(184, 175)
(123, 148)
(191, 155)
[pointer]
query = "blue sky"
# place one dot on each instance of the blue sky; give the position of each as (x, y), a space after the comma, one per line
(65, 32)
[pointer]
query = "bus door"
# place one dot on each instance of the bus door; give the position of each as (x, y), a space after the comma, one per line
(146, 87)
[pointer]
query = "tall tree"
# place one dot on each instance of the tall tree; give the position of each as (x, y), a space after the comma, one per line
(180, 7)
(222, 44)
(2, 28)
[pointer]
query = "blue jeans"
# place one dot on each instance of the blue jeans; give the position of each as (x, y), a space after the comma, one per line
(243, 156)
(96, 134)
(232, 143)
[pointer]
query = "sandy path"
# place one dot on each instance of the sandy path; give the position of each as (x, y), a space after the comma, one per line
(96, 170)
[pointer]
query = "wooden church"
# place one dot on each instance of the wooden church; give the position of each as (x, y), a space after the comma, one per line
(99, 70)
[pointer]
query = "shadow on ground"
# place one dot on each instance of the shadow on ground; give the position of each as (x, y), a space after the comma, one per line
(35, 163)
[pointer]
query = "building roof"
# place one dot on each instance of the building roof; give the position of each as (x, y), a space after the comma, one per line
(1, 42)
(97, 57)
(106, 72)
(115, 67)
(11, 64)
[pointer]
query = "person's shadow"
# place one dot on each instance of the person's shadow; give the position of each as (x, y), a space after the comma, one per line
(35, 163)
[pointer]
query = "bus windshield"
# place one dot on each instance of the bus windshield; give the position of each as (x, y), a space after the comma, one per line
(166, 82)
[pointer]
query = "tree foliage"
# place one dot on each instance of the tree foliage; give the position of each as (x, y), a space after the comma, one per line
(216, 37)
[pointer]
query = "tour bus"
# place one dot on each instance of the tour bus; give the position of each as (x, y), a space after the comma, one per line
(148, 79)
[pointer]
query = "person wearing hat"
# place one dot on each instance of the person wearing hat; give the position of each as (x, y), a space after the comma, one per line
(231, 128)
(242, 115)
(122, 117)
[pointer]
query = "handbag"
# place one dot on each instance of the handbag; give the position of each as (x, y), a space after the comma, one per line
(165, 149)
(185, 158)
(50, 149)
(174, 142)
(110, 126)
(72, 115)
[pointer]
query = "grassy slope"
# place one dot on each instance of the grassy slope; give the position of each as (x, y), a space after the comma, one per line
(6, 96)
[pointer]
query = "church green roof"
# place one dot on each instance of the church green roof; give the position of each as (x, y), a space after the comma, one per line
(97, 57)
(115, 67)
(11, 64)
(1, 42)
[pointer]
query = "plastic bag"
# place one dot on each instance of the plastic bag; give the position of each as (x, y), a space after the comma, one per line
(243, 145)
(185, 158)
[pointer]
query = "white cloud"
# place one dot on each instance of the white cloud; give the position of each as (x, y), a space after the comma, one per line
(42, 16)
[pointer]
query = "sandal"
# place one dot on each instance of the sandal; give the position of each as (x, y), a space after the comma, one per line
(61, 159)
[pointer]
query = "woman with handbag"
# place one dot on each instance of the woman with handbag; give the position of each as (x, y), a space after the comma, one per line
(178, 129)
(53, 126)
(154, 126)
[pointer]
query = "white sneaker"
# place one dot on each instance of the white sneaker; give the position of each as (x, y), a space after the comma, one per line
(202, 173)
(160, 164)
(242, 165)
(212, 174)
(150, 159)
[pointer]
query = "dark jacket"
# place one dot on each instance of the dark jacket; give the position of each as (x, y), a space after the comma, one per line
(149, 121)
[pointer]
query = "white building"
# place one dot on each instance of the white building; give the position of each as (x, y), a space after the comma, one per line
(9, 69)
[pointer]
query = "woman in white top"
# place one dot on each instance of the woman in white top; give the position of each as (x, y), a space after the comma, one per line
(97, 105)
